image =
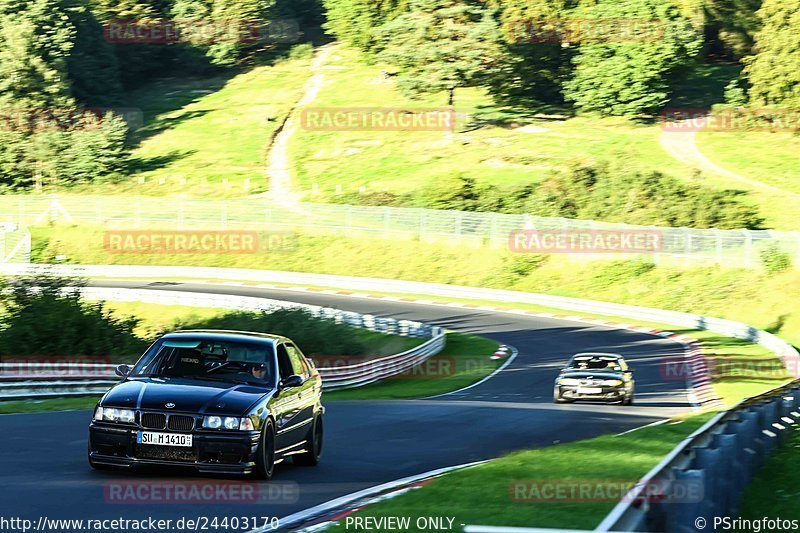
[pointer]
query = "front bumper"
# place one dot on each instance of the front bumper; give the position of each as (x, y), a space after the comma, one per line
(211, 452)
(606, 394)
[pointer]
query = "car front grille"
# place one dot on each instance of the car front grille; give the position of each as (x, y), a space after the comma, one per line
(154, 420)
(181, 423)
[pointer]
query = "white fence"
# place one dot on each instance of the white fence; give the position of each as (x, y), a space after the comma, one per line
(740, 248)
(31, 380)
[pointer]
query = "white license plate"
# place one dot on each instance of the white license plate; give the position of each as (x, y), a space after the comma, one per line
(589, 390)
(164, 439)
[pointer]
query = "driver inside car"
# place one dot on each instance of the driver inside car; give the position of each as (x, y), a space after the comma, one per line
(259, 372)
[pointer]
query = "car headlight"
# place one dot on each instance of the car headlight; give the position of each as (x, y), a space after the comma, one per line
(568, 381)
(611, 382)
(112, 414)
(227, 422)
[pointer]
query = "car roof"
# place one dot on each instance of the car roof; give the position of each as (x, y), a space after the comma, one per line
(599, 354)
(226, 335)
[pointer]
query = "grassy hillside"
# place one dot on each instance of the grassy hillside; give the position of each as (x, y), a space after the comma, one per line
(207, 136)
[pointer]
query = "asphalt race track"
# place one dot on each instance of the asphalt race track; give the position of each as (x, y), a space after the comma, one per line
(45, 473)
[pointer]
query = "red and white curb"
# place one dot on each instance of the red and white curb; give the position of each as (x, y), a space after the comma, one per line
(700, 388)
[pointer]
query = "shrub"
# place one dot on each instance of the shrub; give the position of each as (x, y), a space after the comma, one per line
(775, 260)
(42, 316)
(314, 336)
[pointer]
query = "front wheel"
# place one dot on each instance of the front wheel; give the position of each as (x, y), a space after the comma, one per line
(313, 448)
(265, 455)
(628, 399)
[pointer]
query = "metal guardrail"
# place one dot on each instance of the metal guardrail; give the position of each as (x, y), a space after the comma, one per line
(721, 457)
(24, 380)
(725, 247)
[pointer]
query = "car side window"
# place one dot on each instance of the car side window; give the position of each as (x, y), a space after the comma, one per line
(298, 361)
(284, 362)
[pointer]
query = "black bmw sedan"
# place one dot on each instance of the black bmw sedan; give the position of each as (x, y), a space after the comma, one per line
(218, 401)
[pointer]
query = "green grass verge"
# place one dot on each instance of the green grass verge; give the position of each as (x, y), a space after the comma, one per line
(463, 362)
(484, 495)
(55, 404)
(774, 491)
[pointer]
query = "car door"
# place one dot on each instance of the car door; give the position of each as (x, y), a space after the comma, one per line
(307, 392)
(288, 405)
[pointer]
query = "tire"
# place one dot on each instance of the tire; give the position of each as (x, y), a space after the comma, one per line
(313, 448)
(628, 400)
(265, 455)
(558, 399)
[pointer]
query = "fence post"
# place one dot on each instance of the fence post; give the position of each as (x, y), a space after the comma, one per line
(22, 212)
(748, 249)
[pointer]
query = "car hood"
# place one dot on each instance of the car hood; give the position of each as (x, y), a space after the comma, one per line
(587, 375)
(188, 395)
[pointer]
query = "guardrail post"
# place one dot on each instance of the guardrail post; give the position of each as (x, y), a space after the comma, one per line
(709, 460)
(682, 514)
(726, 482)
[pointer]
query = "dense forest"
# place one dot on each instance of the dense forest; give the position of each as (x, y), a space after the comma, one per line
(60, 73)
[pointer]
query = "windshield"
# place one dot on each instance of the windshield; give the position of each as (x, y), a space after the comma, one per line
(609, 364)
(198, 358)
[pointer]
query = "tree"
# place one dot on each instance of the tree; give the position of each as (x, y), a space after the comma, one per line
(36, 38)
(92, 67)
(632, 76)
(355, 21)
(442, 45)
(534, 71)
(773, 71)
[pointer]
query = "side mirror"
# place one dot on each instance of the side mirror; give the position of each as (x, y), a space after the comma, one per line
(291, 382)
(122, 371)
